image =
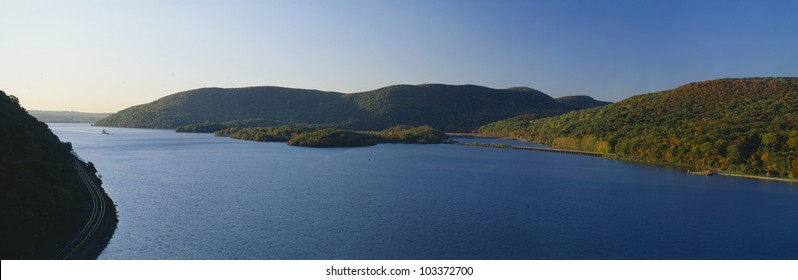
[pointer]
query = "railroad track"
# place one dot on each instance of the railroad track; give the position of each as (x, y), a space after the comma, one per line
(89, 230)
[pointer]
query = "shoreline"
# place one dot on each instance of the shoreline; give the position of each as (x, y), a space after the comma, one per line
(758, 177)
(468, 135)
(612, 156)
(105, 227)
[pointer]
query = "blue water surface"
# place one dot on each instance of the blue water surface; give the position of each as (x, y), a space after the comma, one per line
(196, 196)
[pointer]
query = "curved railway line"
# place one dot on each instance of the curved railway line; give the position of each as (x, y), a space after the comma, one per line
(93, 224)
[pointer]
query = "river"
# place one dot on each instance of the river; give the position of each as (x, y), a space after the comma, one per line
(196, 196)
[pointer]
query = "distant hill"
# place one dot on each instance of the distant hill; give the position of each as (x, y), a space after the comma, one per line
(447, 107)
(748, 125)
(578, 102)
(41, 195)
(253, 106)
(67, 116)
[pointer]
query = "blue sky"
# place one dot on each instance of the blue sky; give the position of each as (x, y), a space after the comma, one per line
(104, 56)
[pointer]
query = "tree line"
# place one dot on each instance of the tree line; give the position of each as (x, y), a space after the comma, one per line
(309, 136)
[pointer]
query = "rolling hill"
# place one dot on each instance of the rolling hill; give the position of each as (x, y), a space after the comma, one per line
(253, 106)
(450, 108)
(749, 125)
(457, 108)
(67, 116)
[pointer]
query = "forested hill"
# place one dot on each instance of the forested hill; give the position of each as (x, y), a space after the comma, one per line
(450, 108)
(251, 106)
(67, 116)
(748, 125)
(446, 107)
(41, 193)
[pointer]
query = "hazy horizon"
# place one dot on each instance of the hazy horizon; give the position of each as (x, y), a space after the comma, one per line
(104, 56)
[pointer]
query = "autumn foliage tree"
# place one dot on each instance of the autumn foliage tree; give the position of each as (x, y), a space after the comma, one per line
(748, 125)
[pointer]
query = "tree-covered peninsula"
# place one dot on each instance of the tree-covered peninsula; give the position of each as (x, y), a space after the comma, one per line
(334, 137)
(265, 134)
(746, 125)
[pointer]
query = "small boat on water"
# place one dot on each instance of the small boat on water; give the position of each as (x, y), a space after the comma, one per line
(105, 132)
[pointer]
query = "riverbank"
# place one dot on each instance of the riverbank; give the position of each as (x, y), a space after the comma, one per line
(468, 135)
(98, 222)
(542, 149)
(107, 227)
(758, 177)
(609, 155)
(726, 173)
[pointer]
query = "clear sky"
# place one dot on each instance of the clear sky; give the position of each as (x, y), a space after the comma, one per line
(104, 56)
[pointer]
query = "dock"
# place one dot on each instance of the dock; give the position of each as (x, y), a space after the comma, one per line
(706, 172)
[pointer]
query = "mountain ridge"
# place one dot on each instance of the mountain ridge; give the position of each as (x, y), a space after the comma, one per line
(67, 116)
(457, 108)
